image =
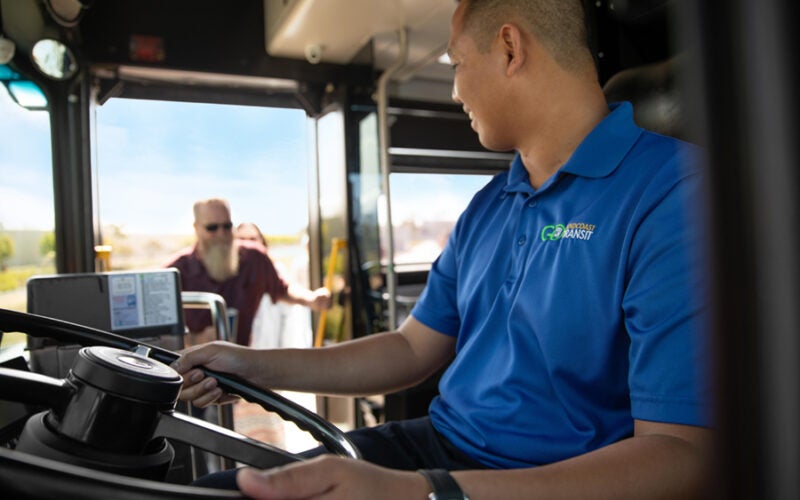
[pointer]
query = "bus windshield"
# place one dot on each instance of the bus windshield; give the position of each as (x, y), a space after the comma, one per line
(27, 245)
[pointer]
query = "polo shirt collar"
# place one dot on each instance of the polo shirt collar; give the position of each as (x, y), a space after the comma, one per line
(598, 155)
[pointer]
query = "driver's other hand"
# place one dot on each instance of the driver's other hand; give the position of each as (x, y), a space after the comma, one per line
(332, 478)
(201, 391)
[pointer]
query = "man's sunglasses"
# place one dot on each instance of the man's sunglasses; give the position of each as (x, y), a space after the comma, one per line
(212, 228)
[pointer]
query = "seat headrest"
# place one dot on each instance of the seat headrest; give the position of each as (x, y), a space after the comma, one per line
(652, 89)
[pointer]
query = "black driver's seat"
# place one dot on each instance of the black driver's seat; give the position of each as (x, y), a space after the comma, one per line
(654, 92)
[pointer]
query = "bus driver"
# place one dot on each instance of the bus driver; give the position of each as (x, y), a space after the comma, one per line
(578, 369)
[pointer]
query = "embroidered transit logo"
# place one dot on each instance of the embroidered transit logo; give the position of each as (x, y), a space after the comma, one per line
(573, 230)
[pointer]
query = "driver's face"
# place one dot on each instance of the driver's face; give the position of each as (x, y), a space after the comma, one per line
(478, 84)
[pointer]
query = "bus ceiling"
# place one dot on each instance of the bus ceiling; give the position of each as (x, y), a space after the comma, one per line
(287, 53)
(272, 51)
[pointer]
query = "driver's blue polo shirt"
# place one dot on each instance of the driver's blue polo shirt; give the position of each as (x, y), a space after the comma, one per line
(578, 306)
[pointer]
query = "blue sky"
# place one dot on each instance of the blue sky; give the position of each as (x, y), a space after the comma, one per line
(176, 153)
(26, 190)
(156, 158)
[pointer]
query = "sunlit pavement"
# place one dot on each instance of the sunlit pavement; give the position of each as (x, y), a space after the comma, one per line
(253, 421)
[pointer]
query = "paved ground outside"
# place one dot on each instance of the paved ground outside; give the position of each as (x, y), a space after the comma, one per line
(253, 421)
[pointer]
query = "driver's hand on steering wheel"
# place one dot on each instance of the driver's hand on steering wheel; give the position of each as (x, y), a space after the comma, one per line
(331, 477)
(219, 356)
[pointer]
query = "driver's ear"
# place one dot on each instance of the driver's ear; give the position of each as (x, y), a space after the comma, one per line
(512, 44)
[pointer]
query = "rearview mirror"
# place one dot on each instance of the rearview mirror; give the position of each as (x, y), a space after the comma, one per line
(54, 59)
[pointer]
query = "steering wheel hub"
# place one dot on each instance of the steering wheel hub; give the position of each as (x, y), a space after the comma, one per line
(128, 375)
(108, 423)
(115, 413)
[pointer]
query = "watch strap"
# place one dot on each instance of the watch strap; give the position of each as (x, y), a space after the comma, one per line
(443, 485)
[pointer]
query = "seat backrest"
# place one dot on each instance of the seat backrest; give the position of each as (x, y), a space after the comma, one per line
(654, 93)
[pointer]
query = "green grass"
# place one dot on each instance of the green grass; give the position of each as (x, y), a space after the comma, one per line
(16, 277)
(12, 338)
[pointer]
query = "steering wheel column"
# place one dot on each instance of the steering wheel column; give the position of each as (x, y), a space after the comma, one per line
(113, 416)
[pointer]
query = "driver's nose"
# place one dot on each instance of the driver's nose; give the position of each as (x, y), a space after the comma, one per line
(455, 93)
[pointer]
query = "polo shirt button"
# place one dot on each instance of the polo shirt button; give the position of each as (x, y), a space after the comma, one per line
(533, 203)
(521, 241)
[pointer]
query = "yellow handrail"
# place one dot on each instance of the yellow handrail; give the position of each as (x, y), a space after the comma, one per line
(336, 245)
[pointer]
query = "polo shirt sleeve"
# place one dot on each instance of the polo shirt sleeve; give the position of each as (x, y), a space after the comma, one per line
(666, 307)
(437, 306)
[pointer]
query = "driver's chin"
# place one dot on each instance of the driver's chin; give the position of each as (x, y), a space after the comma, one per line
(490, 142)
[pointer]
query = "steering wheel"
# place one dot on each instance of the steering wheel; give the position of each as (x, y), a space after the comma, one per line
(107, 428)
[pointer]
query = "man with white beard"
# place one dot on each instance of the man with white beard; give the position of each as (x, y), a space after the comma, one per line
(240, 271)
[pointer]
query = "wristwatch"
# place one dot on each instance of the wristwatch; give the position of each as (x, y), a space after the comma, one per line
(443, 485)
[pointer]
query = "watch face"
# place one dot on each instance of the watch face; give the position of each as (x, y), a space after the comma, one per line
(443, 485)
(434, 496)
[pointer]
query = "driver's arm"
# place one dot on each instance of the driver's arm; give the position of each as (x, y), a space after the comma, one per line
(661, 460)
(374, 364)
